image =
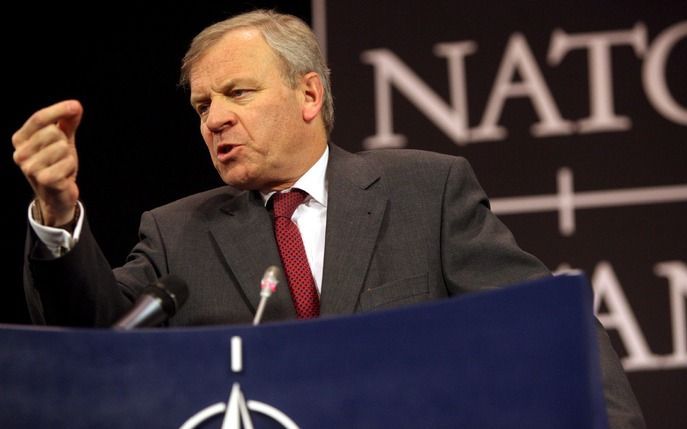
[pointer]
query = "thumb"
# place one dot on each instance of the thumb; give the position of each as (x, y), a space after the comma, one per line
(71, 120)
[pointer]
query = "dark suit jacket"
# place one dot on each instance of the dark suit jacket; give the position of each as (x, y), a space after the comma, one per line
(402, 227)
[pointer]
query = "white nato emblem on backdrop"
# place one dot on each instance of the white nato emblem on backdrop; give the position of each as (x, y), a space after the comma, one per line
(237, 410)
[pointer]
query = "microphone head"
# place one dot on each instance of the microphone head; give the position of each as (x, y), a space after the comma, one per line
(270, 279)
(172, 291)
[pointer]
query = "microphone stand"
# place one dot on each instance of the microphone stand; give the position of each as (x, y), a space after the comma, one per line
(268, 286)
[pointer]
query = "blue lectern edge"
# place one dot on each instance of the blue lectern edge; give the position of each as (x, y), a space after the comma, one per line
(575, 283)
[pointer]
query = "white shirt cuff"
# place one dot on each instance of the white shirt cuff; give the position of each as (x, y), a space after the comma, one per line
(57, 240)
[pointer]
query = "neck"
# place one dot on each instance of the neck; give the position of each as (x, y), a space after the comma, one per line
(309, 159)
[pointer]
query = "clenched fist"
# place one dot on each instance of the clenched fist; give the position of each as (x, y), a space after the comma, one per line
(45, 150)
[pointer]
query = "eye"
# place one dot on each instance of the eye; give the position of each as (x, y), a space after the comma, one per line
(202, 108)
(240, 92)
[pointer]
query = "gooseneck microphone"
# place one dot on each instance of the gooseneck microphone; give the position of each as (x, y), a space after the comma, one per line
(157, 302)
(268, 285)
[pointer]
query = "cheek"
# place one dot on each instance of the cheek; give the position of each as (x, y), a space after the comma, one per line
(277, 124)
(207, 137)
(278, 113)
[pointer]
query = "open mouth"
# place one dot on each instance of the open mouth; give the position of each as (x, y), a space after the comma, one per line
(224, 150)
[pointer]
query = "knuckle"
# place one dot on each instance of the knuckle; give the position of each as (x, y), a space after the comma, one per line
(17, 157)
(52, 132)
(38, 117)
(16, 139)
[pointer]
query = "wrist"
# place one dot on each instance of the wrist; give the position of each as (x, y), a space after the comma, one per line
(67, 222)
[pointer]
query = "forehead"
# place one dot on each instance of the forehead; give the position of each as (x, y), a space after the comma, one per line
(239, 53)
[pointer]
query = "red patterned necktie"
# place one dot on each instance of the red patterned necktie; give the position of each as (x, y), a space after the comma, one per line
(292, 253)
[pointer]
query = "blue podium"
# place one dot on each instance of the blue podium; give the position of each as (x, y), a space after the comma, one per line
(520, 357)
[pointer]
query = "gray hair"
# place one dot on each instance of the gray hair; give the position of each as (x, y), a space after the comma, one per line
(288, 36)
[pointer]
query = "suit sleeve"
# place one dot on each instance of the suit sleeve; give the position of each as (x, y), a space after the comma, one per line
(80, 288)
(480, 252)
(77, 289)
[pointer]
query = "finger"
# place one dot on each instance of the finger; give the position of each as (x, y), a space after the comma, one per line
(39, 140)
(66, 113)
(58, 176)
(50, 155)
(69, 124)
(55, 187)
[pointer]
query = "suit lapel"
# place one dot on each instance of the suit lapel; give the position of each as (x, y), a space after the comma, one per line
(355, 209)
(243, 232)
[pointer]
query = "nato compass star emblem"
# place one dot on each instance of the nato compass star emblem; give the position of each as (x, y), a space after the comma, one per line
(237, 410)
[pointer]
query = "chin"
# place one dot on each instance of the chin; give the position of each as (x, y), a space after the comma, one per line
(239, 182)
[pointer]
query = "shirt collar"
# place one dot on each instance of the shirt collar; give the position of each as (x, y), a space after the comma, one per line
(313, 181)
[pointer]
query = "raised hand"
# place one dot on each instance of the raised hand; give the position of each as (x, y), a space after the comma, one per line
(45, 150)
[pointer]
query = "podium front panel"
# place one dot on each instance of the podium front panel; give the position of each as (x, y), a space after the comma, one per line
(522, 356)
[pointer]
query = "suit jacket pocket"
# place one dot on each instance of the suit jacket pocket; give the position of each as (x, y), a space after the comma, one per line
(405, 291)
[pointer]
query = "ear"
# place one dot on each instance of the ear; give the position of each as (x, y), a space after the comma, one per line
(313, 95)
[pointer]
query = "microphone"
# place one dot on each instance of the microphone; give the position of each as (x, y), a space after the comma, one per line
(157, 302)
(268, 286)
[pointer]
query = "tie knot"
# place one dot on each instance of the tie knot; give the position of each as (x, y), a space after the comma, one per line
(285, 203)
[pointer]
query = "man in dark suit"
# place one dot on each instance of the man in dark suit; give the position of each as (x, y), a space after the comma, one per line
(375, 230)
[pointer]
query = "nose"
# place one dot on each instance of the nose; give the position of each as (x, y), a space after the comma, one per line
(220, 116)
